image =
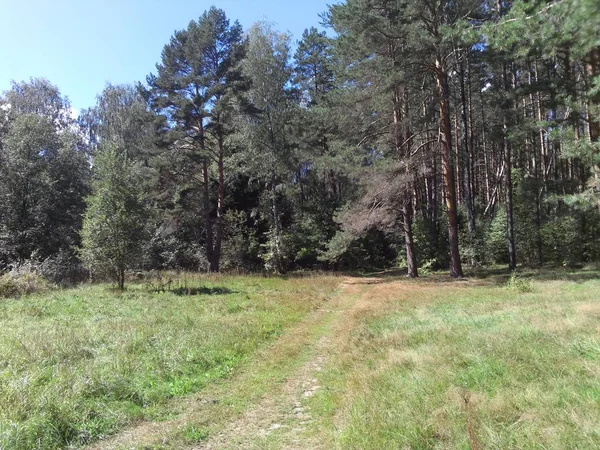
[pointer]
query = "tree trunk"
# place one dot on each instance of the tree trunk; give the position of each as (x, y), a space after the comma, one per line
(400, 111)
(220, 201)
(448, 167)
(411, 256)
(278, 266)
(486, 160)
(466, 161)
(510, 229)
(121, 278)
(593, 70)
(207, 216)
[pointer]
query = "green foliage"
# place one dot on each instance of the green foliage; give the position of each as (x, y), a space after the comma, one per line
(240, 247)
(194, 435)
(22, 281)
(519, 284)
(528, 216)
(113, 226)
(197, 76)
(244, 148)
(431, 242)
(276, 253)
(43, 179)
(496, 250)
(313, 65)
(347, 251)
(562, 240)
(121, 117)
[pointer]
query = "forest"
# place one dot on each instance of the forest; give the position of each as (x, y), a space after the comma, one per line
(382, 235)
(424, 135)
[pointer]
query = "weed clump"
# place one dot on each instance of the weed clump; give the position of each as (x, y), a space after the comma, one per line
(519, 284)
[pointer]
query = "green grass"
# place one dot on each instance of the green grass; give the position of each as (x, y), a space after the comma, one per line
(80, 364)
(493, 362)
(469, 365)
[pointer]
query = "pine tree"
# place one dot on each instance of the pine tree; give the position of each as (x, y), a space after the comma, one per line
(197, 81)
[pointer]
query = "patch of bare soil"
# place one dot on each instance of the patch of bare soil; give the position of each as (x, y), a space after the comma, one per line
(280, 411)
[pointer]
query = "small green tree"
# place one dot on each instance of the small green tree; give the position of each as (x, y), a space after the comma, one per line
(113, 225)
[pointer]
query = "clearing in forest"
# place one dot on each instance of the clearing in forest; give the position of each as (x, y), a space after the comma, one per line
(322, 362)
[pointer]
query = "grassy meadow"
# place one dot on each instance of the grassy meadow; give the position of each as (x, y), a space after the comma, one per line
(323, 362)
(477, 364)
(79, 364)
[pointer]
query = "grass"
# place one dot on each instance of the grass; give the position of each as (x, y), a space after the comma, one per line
(80, 364)
(491, 362)
(472, 364)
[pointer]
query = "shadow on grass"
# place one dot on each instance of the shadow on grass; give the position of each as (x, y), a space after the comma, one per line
(191, 291)
(486, 275)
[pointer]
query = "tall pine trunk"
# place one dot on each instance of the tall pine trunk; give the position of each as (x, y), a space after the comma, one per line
(216, 264)
(466, 160)
(510, 227)
(448, 166)
(411, 254)
(400, 110)
(208, 225)
(593, 70)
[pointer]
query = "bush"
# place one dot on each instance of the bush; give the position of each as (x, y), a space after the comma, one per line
(563, 241)
(431, 243)
(519, 284)
(240, 249)
(496, 249)
(63, 268)
(371, 251)
(22, 281)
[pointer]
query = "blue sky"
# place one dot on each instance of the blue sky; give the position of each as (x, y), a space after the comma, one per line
(80, 45)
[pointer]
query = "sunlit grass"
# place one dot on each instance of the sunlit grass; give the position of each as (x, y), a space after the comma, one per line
(79, 364)
(465, 365)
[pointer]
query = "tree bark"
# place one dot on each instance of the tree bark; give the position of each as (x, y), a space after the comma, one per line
(466, 162)
(593, 70)
(277, 257)
(207, 216)
(216, 263)
(121, 278)
(411, 255)
(448, 167)
(400, 111)
(510, 228)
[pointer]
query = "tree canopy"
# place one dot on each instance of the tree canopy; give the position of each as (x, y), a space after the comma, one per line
(419, 134)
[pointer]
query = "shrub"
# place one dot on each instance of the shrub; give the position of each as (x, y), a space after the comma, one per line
(563, 240)
(373, 250)
(63, 268)
(519, 284)
(22, 281)
(496, 249)
(240, 248)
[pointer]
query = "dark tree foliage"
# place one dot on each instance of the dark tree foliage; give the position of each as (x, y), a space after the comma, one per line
(44, 174)
(429, 134)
